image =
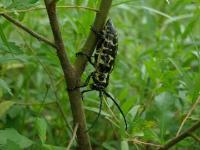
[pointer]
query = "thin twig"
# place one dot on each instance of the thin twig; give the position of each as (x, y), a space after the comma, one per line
(53, 86)
(181, 136)
(43, 100)
(80, 7)
(188, 114)
(60, 108)
(112, 113)
(26, 29)
(195, 137)
(42, 7)
(73, 137)
(136, 141)
(34, 104)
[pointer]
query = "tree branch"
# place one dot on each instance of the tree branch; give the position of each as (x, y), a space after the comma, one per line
(73, 137)
(91, 41)
(182, 136)
(26, 29)
(71, 79)
(195, 137)
(136, 141)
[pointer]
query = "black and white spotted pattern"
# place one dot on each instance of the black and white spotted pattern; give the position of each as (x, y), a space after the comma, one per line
(106, 51)
(104, 59)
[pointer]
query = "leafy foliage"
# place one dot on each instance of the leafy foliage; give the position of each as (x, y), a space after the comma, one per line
(156, 77)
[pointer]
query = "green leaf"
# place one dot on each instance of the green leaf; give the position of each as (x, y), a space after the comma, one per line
(52, 147)
(4, 39)
(12, 45)
(33, 1)
(41, 127)
(19, 4)
(124, 145)
(10, 145)
(4, 106)
(5, 87)
(134, 111)
(6, 3)
(96, 110)
(8, 58)
(164, 101)
(13, 135)
(151, 135)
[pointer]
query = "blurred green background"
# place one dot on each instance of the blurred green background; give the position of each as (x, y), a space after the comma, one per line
(156, 78)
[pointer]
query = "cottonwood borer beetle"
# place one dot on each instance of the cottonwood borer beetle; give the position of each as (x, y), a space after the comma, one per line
(104, 58)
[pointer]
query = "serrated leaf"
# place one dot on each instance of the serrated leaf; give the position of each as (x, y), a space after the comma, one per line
(13, 135)
(4, 106)
(5, 87)
(41, 127)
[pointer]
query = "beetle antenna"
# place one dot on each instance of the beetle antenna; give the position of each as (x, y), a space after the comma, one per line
(108, 95)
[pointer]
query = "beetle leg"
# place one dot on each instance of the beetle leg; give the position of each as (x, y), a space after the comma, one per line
(85, 83)
(87, 56)
(98, 34)
(108, 95)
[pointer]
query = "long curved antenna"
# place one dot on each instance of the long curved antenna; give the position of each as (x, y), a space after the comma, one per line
(108, 95)
(100, 107)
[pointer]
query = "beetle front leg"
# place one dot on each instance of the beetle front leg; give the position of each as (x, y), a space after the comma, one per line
(99, 34)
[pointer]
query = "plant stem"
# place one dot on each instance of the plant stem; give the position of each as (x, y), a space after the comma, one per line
(70, 78)
(42, 7)
(28, 30)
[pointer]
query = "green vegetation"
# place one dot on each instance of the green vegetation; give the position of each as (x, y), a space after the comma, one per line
(156, 78)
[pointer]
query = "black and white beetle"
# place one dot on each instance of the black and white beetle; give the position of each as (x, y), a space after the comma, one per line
(104, 58)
